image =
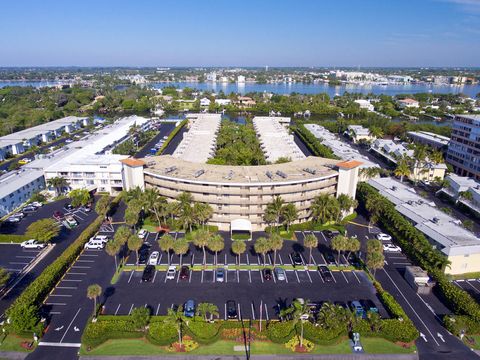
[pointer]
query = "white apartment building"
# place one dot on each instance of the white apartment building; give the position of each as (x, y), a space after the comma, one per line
(358, 133)
(365, 104)
(459, 185)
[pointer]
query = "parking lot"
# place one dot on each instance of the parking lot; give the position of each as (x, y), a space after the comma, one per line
(472, 286)
(15, 259)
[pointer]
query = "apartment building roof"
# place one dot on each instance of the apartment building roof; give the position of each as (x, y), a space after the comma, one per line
(442, 140)
(307, 169)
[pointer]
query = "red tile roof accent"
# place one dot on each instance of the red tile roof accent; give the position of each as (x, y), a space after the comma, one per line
(351, 164)
(132, 162)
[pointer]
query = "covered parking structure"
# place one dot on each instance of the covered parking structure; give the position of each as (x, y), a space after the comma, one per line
(241, 229)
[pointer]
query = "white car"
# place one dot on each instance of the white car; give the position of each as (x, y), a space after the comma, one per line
(94, 244)
(384, 237)
(102, 238)
(172, 270)
(37, 204)
(32, 244)
(391, 248)
(68, 141)
(13, 219)
(153, 259)
(142, 234)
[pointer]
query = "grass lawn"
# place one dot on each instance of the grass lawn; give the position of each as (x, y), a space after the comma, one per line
(223, 347)
(12, 343)
(382, 346)
(475, 345)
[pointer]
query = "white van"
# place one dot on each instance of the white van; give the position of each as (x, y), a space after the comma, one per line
(102, 238)
(94, 244)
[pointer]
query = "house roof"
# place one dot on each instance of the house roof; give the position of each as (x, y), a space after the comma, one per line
(133, 162)
(351, 164)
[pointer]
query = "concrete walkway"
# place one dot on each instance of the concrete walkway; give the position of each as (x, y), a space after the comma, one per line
(13, 355)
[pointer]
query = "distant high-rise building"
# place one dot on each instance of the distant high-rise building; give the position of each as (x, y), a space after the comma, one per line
(464, 147)
(241, 79)
(266, 67)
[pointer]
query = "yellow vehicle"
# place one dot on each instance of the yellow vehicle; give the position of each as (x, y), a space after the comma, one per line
(24, 161)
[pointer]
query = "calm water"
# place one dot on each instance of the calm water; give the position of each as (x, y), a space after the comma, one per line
(470, 90)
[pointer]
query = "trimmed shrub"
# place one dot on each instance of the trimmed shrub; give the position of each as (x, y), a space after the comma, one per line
(161, 333)
(204, 332)
(315, 146)
(322, 336)
(280, 332)
(97, 333)
(12, 238)
(171, 136)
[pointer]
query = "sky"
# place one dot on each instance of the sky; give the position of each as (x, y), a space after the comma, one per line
(363, 33)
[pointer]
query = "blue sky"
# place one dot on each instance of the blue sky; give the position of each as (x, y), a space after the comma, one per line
(240, 33)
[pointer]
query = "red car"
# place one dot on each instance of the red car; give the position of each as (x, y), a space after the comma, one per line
(58, 215)
(184, 272)
(267, 274)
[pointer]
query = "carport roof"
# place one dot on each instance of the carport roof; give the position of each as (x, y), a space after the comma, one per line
(241, 225)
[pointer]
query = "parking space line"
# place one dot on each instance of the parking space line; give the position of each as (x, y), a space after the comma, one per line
(131, 308)
(356, 276)
(87, 261)
(280, 257)
(225, 314)
(248, 260)
(303, 259)
(266, 312)
(178, 276)
(154, 276)
(239, 312)
(296, 274)
(73, 280)
(25, 257)
(202, 277)
(18, 263)
(344, 276)
(131, 275)
(81, 267)
(71, 273)
(286, 277)
(67, 287)
(55, 313)
(158, 309)
(60, 295)
(253, 311)
(313, 259)
(258, 259)
(308, 273)
(249, 276)
(333, 276)
(118, 308)
(238, 276)
(320, 276)
(190, 276)
(56, 304)
(69, 325)
(469, 283)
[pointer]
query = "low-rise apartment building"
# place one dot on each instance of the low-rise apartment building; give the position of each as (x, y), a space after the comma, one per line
(463, 190)
(433, 140)
(359, 134)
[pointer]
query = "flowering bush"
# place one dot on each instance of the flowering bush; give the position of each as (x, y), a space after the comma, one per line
(294, 345)
(187, 346)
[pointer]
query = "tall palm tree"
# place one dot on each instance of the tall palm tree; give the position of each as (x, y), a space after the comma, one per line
(93, 292)
(134, 244)
(339, 243)
(402, 169)
(346, 203)
(133, 194)
(375, 131)
(187, 216)
(275, 208)
(216, 244)
(325, 208)
(289, 214)
(185, 198)
(204, 309)
(353, 245)
(310, 241)
(57, 183)
(299, 312)
(113, 248)
(202, 212)
(238, 248)
(200, 239)
(175, 318)
(262, 246)
(180, 248)
(276, 244)
(437, 157)
(166, 243)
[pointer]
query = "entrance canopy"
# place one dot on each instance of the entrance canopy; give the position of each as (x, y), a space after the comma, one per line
(240, 225)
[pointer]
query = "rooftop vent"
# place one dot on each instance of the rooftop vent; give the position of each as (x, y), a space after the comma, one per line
(269, 175)
(410, 202)
(229, 176)
(151, 163)
(310, 171)
(170, 169)
(435, 220)
(199, 173)
(281, 174)
(394, 188)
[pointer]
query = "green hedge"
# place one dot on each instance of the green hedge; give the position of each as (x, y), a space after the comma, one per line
(97, 333)
(12, 238)
(322, 336)
(315, 146)
(389, 329)
(171, 136)
(38, 290)
(418, 249)
(280, 332)
(204, 332)
(161, 333)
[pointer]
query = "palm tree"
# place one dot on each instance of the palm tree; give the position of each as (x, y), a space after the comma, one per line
(202, 212)
(402, 169)
(134, 244)
(187, 216)
(375, 131)
(339, 243)
(175, 318)
(79, 197)
(325, 208)
(113, 248)
(353, 245)
(275, 208)
(57, 183)
(93, 292)
(262, 246)
(238, 248)
(437, 157)
(207, 308)
(310, 241)
(166, 243)
(299, 311)
(276, 244)
(466, 195)
(346, 203)
(216, 244)
(375, 260)
(369, 172)
(200, 239)
(289, 214)
(180, 248)
(185, 198)
(133, 194)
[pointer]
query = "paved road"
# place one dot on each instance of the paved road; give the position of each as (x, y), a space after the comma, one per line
(172, 146)
(164, 130)
(426, 311)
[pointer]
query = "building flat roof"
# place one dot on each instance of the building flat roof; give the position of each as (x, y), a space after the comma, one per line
(199, 142)
(434, 223)
(275, 140)
(471, 117)
(14, 180)
(442, 140)
(295, 171)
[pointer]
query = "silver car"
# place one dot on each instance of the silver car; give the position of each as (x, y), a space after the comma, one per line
(279, 274)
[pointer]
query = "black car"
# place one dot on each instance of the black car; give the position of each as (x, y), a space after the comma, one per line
(354, 260)
(267, 274)
(148, 273)
(330, 233)
(330, 258)
(232, 309)
(326, 273)
(143, 255)
(68, 207)
(184, 272)
(296, 258)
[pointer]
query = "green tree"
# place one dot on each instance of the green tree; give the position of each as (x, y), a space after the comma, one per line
(262, 246)
(339, 243)
(299, 312)
(180, 248)
(122, 235)
(134, 244)
(57, 183)
(216, 244)
(202, 212)
(375, 261)
(140, 317)
(43, 230)
(325, 208)
(204, 309)
(275, 208)
(23, 317)
(112, 248)
(103, 205)
(4, 277)
(353, 245)
(310, 241)
(200, 239)
(289, 214)
(376, 131)
(166, 243)
(402, 169)
(346, 203)
(276, 244)
(132, 213)
(175, 318)
(79, 197)
(93, 292)
(466, 195)
(238, 248)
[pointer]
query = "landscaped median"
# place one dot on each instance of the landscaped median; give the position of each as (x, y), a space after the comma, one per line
(171, 136)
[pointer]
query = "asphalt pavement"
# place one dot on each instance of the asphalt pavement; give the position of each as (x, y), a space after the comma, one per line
(164, 130)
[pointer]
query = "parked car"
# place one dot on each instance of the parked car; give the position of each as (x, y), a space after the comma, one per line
(32, 244)
(58, 215)
(148, 273)
(353, 260)
(330, 258)
(94, 244)
(384, 237)
(70, 221)
(232, 309)
(13, 219)
(68, 141)
(267, 274)
(325, 273)
(358, 309)
(68, 207)
(104, 238)
(391, 248)
(280, 274)
(29, 209)
(296, 258)
(19, 214)
(220, 275)
(369, 305)
(24, 161)
(142, 233)
(86, 208)
(172, 270)
(184, 272)
(37, 204)
(143, 256)
(331, 233)
(189, 308)
(153, 259)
